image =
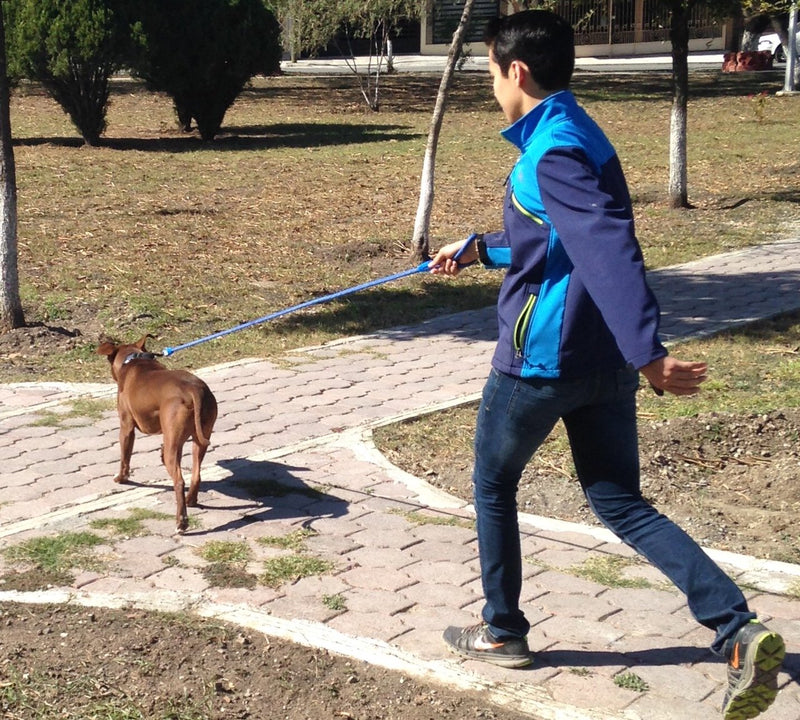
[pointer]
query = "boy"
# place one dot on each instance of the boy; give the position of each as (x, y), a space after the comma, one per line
(577, 325)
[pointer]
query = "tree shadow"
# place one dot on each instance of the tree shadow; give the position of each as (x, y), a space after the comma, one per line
(243, 138)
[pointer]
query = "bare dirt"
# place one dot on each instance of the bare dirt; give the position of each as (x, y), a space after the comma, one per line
(729, 480)
(79, 663)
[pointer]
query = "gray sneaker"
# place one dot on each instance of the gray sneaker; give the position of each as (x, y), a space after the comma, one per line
(478, 643)
(754, 661)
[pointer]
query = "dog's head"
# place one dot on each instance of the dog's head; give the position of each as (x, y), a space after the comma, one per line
(119, 355)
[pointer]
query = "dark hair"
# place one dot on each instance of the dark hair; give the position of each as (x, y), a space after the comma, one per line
(541, 39)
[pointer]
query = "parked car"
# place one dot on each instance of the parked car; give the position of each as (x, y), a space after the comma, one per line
(771, 42)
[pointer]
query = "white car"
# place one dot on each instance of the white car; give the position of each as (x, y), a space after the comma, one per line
(771, 42)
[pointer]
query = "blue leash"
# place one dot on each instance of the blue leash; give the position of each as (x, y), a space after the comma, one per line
(423, 267)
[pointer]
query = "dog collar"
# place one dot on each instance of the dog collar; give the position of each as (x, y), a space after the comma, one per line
(139, 356)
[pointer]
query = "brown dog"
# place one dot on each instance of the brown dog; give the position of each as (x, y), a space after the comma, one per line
(156, 400)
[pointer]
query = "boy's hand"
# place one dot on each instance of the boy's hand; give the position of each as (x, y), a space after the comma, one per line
(443, 263)
(679, 377)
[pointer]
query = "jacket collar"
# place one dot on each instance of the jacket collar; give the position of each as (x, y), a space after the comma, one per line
(520, 132)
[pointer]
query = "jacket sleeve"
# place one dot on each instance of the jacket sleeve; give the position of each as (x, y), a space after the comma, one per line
(494, 250)
(591, 212)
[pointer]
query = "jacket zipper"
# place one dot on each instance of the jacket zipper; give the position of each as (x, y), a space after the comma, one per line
(522, 324)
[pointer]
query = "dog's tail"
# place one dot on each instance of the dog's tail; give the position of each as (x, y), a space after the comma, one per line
(199, 397)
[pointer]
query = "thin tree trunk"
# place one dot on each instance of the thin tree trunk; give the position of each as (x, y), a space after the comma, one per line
(679, 35)
(420, 240)
(11, 315)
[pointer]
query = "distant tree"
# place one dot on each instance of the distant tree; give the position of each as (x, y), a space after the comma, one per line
(310, 25)
(72, 48)
(374, 20)
(11, 315)
(305, 26)
(202, 53)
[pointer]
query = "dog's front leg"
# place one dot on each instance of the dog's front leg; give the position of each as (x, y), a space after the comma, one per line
(126, 436)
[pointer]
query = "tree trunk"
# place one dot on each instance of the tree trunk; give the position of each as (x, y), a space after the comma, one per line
(679, 35)
(10, 304)
(421, 241)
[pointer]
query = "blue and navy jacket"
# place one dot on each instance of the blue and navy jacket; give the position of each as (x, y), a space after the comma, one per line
(574, 299)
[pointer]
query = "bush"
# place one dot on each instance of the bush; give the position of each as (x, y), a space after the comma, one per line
(202, 53)
(72, 48)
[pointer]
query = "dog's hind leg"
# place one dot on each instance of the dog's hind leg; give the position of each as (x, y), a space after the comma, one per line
(198, 453)
(172, 461)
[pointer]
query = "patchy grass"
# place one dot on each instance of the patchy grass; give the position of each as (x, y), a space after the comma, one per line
(631, 681)
(81, 411)
(334, 602)
(50, 560)
(421, 518)
(292, 541)
(131, 526)
(608, 570)
(290, 568)
(222, 551)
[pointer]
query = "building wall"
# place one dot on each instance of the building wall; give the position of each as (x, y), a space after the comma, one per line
(636, 27)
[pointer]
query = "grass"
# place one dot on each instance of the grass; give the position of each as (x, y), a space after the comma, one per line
(631, 681)
(608, 570)
(420, 518)
(50, 560)
(155, 231)
(57, 553)
(131, 526)
(83, 411)
(47, 696)
(291, 541)
(290, 568)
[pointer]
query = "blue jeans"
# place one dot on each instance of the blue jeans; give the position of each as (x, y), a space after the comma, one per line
(599, 414)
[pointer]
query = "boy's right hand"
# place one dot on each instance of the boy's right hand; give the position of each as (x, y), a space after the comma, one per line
(443, 263)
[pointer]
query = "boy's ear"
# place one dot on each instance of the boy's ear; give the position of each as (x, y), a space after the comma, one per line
(518, 71)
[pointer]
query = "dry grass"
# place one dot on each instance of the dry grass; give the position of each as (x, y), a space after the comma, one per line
(307, 193)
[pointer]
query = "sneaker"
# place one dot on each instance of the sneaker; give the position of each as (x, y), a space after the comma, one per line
(754, 662)
(478, 643)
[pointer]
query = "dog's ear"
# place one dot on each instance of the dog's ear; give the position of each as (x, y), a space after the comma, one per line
(140, 343)
(107, 348)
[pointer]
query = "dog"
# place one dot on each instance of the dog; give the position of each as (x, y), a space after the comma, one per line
(155, 400)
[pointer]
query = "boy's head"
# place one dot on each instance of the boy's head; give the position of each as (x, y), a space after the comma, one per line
(540, 39)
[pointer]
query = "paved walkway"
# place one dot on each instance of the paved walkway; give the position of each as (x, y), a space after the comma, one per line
(292, 451)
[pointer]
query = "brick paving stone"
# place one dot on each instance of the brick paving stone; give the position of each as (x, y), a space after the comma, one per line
(658, 707)
(391, 603)
(677, 681)
(579, 632)
(575, 606)
(650, 622)
(435, 592)
(665, 602)
(553, 581)
(444, 552)
(590, 692)
(380, 558)
(370, 578)
(369, 625)
(452, 573)
(176, 578)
